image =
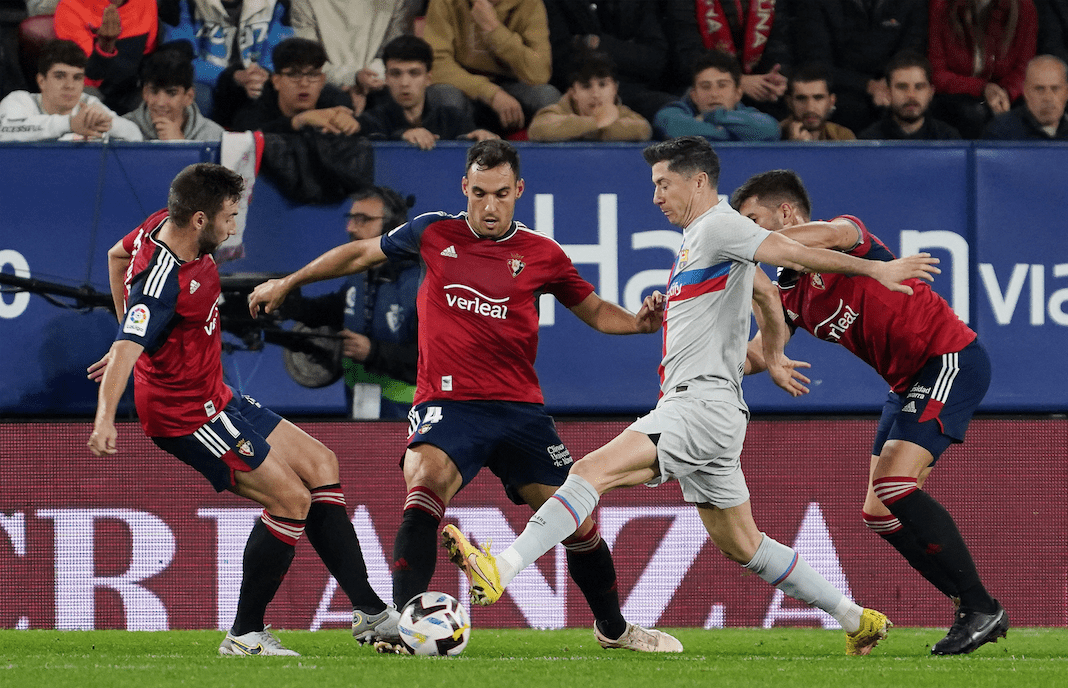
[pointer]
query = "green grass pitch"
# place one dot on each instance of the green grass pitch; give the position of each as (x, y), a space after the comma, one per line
(779, 658)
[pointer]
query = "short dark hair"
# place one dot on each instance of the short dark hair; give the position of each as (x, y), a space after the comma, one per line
(717, 59)
(170, 65)
(588, 65)
(686, 155)
(394, 206)
(202, 187)
(808, 73)
(772, 189)
(409, 49)
(60, 52)
(908, 58)
(493, 153)
(298, 52)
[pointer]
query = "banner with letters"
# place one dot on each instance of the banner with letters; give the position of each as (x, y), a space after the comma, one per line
(988, 211)
(140, 541)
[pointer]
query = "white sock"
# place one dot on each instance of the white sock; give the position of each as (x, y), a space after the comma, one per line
(557, 519)
(784, 568)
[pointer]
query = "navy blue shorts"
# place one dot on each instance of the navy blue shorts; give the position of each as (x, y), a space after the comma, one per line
(515, 440)
(234, 440)
(941, 401)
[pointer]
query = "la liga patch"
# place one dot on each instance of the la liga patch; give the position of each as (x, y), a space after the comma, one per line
(137, 320)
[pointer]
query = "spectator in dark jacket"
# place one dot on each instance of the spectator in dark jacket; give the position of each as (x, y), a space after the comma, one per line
(909, 80)
(756, 33)
(1042, 116)
(297, 95)
(1053, 28)
(629, 31)
(410, 110)
(857, 38)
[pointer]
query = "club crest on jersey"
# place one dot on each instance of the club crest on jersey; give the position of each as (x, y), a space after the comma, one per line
(244, 447)
(817, 281)
(684, 257)
(137, 320)
(516, 264)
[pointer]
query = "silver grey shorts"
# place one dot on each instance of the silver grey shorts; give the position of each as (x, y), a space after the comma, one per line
(700, 445)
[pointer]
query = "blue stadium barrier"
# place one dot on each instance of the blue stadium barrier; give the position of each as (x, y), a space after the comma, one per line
(987, 210)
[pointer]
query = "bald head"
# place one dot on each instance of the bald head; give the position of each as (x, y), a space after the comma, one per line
(1045, 89)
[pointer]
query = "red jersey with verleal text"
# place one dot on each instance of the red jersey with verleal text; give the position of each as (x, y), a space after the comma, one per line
(172, 309)
(892, 332)
(477, 305)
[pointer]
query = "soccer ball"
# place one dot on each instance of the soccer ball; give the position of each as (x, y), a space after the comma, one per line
(434, 623)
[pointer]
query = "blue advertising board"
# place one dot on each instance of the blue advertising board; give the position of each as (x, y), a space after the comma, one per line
(1021, 274)
(987, 211)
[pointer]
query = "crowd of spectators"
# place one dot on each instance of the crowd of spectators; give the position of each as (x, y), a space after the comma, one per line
(548, 70)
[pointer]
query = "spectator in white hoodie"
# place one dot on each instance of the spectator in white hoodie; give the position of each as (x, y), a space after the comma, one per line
(62, 110)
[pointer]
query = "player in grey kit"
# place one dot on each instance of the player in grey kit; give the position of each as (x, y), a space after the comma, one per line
(695, 433)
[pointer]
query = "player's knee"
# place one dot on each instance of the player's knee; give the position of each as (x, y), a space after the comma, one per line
(289, 500)
(325, 459)
(588, 469)
(433, 471)
(298, 500)
(316, 464)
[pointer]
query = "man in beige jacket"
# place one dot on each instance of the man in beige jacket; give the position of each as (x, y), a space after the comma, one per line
(497, 52)
(591, 109)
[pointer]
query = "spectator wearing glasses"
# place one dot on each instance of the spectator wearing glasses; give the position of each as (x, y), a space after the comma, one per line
(232, 41)
(297, 95)
(375, 311)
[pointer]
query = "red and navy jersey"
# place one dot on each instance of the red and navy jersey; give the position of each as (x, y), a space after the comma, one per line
(172, 309)
(477, 305)
(892, 332)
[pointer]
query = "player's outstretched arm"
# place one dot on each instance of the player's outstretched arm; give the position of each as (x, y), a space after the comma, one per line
(121, 359)
(839, 234)
(783, 251)
(347, 259)
(609, 318)
(118, 261)
(766, 350)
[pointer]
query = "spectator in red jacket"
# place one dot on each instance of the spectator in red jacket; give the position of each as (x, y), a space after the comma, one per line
(114, 34)
(979, 51)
